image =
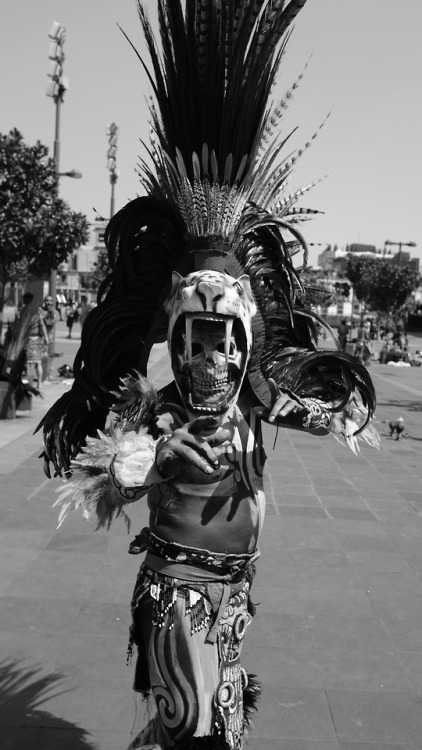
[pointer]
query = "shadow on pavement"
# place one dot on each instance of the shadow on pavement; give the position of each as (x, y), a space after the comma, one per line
(402, 404)
(22, 692)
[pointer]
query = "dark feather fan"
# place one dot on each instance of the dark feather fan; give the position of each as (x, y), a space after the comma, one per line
(214, 177)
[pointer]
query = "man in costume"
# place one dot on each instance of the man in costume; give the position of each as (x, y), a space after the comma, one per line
(204, 260)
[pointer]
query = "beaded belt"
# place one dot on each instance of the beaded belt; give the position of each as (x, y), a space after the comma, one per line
(179, 553)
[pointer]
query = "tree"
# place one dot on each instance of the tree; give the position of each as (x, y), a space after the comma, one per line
(320, 291)
(92, 280)
(380, 284)
(38, 230)
(342, 289)
(317, 290)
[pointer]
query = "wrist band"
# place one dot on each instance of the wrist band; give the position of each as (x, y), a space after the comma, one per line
(317, 416)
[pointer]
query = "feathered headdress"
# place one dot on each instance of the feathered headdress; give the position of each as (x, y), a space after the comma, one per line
(216, 198)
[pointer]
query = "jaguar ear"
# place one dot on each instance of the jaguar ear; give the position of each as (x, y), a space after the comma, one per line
(176, 278)
(250, 303)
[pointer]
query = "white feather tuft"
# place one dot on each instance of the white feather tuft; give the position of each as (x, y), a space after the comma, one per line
(111, 471)
(344, 427)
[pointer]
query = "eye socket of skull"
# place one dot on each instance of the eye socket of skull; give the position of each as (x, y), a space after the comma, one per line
(210, 340)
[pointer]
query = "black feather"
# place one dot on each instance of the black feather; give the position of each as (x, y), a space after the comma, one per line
(251, 696)
(145, 243)
(329, 376)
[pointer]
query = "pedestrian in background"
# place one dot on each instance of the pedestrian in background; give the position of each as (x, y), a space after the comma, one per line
(51, 316)
(60, 304)
(70, 315)
(83, 310)
(343, 331)
(374, 331)
(363, 347)
(38, 338)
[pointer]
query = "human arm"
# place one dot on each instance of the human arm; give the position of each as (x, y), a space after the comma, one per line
(288, 409)
(119, 465)
(112, 470)
(347, 422)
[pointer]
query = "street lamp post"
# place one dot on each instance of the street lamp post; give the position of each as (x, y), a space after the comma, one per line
(56, 90)
(400, 245)
(112, 131)
(57, 86)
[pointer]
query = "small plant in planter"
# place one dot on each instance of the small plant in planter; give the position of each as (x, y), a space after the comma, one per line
(14, 385)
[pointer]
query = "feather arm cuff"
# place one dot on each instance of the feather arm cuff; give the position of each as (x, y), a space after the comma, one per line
(111, 471)
(345, 425)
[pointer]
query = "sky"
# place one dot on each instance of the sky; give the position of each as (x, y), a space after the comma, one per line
(364, 68)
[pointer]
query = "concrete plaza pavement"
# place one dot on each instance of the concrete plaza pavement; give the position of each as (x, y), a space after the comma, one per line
(337, 639)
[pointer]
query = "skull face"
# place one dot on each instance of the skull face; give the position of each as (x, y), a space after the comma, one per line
(211, 364)
(210, 338)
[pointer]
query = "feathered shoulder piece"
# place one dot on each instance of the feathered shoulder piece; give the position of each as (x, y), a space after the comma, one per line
(118, 466)
(334, 378)
(137, 404)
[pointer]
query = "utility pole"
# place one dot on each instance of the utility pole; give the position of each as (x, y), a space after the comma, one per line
(57, 87)
(399, 245)
(112, 131)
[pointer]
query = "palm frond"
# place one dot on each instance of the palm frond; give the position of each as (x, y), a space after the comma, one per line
(18, 334)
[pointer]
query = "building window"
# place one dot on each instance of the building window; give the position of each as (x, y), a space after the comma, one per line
(74, 263)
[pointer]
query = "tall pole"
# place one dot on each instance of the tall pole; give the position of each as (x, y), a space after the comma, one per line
(56, 151)
(52, 290)
(113, 180)
(113, 132)
(399, 244)
(56, 89)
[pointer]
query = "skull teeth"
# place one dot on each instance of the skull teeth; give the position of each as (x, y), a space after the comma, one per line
(210, 378)
(201, 408)
(205, 385)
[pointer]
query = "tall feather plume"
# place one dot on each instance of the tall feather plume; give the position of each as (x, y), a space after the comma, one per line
(213, 78)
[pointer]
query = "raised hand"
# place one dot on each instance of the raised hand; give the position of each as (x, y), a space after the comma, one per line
(194, 443)
(284, 402)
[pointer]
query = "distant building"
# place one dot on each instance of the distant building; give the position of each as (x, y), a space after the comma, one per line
(332, 263)
(326, 258)
(335, 260)
(361, 249)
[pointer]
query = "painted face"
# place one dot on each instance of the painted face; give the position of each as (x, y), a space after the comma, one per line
(210, 338)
